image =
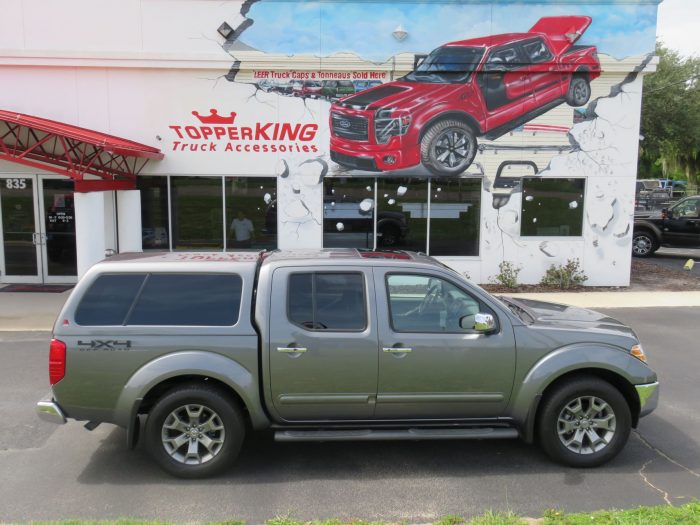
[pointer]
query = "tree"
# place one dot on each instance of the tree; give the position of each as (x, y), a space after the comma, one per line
(671, 118)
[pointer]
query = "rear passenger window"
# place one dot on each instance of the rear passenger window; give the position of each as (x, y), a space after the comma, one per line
(327, 301)
(108, 300)
(188, 300)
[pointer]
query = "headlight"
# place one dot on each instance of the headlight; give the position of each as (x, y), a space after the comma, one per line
(638, 352)
(388, 123)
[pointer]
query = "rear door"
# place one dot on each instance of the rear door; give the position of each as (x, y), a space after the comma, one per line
(323, 344)
(545, 76)
(429, 367)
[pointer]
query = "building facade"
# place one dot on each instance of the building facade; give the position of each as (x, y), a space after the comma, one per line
(477, 132)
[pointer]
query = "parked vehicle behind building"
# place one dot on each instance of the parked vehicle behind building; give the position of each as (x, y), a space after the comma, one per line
(677, 226)
(335, 345)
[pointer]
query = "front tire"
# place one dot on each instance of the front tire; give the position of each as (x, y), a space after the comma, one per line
(584, 422)
(448, 147)
(194, 431)
(644, 243)
(579, 92)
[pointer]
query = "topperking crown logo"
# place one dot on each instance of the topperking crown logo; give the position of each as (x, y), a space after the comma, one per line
(215, 118)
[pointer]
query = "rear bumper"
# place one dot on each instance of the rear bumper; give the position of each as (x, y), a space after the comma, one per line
(48, 410)
(648, 397)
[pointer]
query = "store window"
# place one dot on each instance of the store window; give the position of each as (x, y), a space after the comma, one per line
(455, 209)
(348, 212)
(154, 212)
(251, 213)
(552, 206)
(197, 213)
(402, 213)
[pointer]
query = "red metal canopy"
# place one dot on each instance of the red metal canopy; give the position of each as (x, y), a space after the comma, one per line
(73, 151)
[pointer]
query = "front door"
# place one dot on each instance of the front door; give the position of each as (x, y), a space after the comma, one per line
(430, 367)
(683, 226)
(323, 344)
(37, 226)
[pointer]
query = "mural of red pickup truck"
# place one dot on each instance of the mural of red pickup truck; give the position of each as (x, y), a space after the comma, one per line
(482, 87)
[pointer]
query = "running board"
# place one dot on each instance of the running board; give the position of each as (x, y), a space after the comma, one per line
(409, 434)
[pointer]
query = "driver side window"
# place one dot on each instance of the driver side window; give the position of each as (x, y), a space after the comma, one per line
(422, 303)
(689, 209)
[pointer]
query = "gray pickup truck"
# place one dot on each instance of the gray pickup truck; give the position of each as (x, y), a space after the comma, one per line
(199, 349)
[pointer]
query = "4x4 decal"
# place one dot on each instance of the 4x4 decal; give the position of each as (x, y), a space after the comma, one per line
(97, 344)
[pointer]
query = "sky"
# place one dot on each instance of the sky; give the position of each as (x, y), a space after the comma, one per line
(679, 21)
(619, 28)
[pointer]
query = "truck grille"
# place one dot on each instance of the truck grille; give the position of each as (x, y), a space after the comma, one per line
(349, 127)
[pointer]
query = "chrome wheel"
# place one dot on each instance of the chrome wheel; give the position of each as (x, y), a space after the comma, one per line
(642, 245)
(193, 434)
(453, 148)
(586, 425)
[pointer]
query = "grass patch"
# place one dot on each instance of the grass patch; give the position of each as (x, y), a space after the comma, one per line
(688, 514)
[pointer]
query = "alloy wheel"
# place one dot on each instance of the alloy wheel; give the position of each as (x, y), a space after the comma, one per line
(452, 148)
(586, 425)
(641, 245)
(193, 434)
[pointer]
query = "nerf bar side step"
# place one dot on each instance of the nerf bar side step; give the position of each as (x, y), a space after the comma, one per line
(408, 434)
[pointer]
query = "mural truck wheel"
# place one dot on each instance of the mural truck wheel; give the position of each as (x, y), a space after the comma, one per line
(579, 91)
(448, 147)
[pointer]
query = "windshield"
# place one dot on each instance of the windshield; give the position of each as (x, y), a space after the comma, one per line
(447, 65)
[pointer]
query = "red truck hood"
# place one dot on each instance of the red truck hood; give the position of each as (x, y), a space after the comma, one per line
(400, 95)
(563, 31)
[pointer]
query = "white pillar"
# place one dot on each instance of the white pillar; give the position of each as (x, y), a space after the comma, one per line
(89, 229)
(129, 221)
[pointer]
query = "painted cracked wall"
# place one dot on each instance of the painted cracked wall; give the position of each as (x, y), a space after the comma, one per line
(375, 43)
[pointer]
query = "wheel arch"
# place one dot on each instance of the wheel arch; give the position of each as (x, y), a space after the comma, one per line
(162, 374)
(583, 71)
(451, 115)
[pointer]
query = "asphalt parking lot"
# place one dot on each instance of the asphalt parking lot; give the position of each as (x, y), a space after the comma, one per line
(675, 258)
(56, 472)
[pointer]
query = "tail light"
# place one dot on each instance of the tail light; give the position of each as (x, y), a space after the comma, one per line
(57, 361)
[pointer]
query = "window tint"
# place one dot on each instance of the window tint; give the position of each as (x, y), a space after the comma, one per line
(537, 51)
(552, 207)
(420, 303)
(108, 300)
(327, 301)
(188, 300)
(689, 209)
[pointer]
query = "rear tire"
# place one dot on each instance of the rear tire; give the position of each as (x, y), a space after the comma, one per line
(194, 431)
(584, 422)
(579, 92)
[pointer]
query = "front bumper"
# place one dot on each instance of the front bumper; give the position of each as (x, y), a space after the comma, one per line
(374, 157)
(648, 397)
(48, 410)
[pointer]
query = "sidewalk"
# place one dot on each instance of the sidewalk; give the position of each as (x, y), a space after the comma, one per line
(20, 312)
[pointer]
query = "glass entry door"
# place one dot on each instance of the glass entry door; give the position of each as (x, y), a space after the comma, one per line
(37, 242)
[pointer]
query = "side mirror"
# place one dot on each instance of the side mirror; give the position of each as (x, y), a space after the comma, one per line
(480, 322)
(666, 213)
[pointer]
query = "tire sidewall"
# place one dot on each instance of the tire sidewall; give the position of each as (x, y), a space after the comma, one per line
(231, 418)
(563, 395)
(427, 145)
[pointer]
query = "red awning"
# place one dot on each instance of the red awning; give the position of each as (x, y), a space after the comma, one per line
(73, 151)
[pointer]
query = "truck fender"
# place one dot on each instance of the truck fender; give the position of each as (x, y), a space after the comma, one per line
(459, 115)
(190, 363)
(642, 224)
(567, 359)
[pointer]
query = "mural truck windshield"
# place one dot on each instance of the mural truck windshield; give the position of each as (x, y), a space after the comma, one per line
(447, 65)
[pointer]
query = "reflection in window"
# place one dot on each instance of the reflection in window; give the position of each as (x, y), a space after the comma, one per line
(552, 207)
(420, 303)
(327, 301)
(197, 216)
(154, 212)
(402, 215)
(251, 213)
(455, 206)
(348, 212)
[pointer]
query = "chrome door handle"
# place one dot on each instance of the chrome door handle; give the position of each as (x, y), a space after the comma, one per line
(399, 350)
(290, 350)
